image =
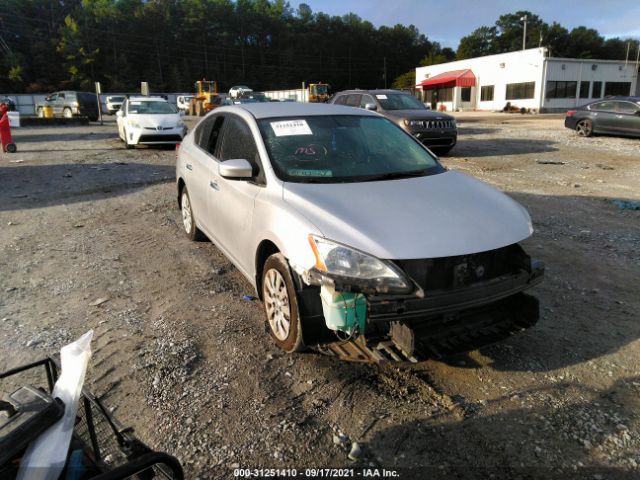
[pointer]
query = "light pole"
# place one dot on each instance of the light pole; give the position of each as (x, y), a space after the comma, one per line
(524, 34)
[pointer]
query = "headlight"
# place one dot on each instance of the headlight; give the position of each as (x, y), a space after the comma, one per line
(414, 123)
(338, 260)
(134, 124)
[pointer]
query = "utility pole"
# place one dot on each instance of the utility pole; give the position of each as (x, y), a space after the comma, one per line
(524, 34)
(384, 75)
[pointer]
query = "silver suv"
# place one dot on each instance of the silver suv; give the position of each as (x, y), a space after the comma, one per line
(355, 237)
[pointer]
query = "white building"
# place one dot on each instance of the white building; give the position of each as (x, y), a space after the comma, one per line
(527, 79)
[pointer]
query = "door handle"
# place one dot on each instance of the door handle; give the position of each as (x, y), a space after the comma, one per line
(214, 185)
(189, 166)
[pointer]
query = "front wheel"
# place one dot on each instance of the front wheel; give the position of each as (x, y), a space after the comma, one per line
(584, 127)
(281, 304)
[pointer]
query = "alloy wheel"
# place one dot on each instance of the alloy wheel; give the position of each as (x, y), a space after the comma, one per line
(277, 304)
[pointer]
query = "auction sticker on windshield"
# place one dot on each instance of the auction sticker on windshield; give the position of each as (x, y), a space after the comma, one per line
(287, 128)
(381, 97)
(303, 172)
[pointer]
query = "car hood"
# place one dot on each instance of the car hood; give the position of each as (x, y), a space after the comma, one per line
(417, 115)
(434, 216)
(153, 121)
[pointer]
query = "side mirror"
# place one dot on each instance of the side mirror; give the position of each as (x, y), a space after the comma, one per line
(371, 106)
(235, 169)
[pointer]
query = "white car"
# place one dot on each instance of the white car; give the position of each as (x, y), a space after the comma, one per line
(183, 102)
(113, 103)
(149, 121)
(239, 90)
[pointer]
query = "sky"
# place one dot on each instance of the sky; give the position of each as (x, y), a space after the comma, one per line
(446, 21)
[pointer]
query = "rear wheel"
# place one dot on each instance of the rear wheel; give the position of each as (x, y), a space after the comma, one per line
(66, 113)
(11, 148)
(281, 304)
(584, 127)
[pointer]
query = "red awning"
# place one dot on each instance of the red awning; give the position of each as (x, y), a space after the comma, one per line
(455, 78)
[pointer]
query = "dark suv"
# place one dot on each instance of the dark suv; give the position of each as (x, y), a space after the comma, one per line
(434, 129)
(70, 104)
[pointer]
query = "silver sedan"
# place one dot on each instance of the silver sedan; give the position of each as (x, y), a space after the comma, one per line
(357, 240)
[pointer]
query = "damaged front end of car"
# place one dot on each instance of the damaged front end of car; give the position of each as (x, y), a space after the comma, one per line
(410, 310)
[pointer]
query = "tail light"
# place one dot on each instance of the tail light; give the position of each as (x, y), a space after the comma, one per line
(570, 113)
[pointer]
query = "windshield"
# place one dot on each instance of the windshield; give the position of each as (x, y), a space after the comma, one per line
(146, 108)
(116, 99)
(343, 148)
(399, 101)
(321, 89)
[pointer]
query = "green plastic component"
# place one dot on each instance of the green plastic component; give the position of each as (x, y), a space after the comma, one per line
(344, 311)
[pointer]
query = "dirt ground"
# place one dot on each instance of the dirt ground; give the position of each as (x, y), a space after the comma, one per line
(90, 238)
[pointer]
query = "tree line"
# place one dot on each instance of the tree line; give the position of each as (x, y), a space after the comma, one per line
(48, 45)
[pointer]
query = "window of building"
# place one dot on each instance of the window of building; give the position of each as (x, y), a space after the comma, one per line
(520, 91)
(597, 90)
(584, 89)
(617, 88)
(486, 93)
(561, 89)
(465, 94)
(439, 95)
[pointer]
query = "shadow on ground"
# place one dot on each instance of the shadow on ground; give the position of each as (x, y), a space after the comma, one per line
(517, 442)
(471, 147)
(36, 186)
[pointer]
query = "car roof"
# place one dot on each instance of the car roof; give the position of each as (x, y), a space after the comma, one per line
(290, 109)
(147, 99)
(379, 91)
(624, 98)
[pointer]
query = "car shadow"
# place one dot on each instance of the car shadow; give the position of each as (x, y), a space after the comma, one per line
(61, 134)
(473, 130)
(506, 438)
(471, 147)
(36, 186)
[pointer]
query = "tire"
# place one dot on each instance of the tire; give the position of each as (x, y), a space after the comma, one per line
(199, 109)
(40, 112)
(188, 220)
(584, 127)
(11, 148)
(66, 113)
(279, 298)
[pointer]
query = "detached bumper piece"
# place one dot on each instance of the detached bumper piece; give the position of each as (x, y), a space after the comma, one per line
(443, 335)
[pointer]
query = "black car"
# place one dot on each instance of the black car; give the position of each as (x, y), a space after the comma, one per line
(70, 104)
(612, 116)
(436, 130)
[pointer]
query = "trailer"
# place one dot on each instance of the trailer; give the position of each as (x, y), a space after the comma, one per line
(314, 93)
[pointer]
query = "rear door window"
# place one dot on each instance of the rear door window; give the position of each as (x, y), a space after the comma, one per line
(604, 107)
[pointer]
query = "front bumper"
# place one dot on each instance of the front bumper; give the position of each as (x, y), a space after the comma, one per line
(152, 136)
(439, 138)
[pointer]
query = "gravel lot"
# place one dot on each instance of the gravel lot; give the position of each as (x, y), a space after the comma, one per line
(91, 237)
